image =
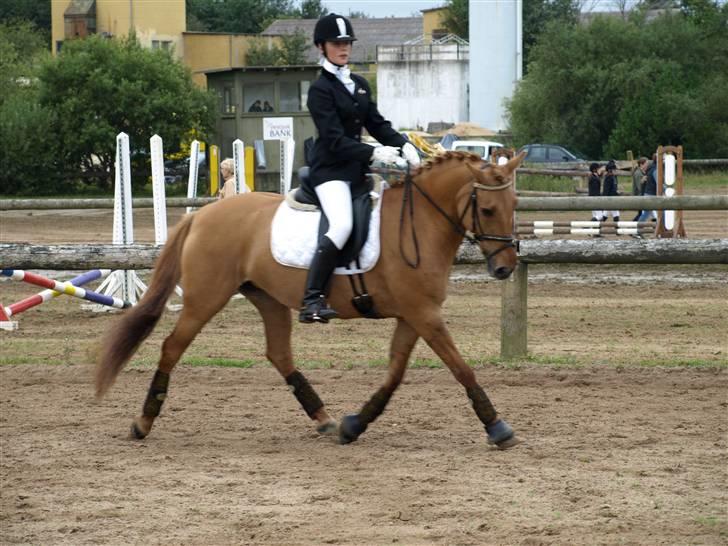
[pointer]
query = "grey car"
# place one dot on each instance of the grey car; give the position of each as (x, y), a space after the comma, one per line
(548, 153)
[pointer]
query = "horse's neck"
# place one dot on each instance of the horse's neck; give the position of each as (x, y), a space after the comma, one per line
(442, 187)
(444, 184)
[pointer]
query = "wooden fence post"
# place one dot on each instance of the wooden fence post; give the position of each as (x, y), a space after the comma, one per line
(514, 314)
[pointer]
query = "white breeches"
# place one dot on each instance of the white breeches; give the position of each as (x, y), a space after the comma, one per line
(335, 198)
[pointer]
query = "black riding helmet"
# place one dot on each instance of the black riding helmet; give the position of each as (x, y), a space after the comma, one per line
(332, 28)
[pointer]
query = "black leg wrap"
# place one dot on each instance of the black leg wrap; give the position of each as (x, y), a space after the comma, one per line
(481, 404)
(374, 407)
(156, 395)
(304, 393)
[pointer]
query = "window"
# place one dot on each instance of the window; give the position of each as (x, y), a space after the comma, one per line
(228, 106)
(161, 44)
(293, 96)
(537, 154)
(258, 97)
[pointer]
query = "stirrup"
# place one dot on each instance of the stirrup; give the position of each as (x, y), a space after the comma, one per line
(318, 311)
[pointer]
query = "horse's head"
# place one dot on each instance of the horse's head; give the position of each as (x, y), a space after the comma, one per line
(486, 210)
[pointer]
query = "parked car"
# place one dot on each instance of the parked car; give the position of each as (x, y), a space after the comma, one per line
(479, 147)
(548, 153)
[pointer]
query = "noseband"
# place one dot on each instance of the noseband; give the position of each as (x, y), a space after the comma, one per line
(472, 237)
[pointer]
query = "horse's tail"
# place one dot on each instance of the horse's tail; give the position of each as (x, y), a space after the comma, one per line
(138, 322)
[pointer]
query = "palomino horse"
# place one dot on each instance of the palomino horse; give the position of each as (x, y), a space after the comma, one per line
(423, 222)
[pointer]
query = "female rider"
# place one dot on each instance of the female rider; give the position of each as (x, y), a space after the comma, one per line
(341, 105)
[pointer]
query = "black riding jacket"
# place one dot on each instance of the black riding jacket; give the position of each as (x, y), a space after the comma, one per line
(338, 153)
(595, 185)
(610, 185)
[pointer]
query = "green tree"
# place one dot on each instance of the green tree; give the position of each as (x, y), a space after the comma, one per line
(241, 16)
(27, 143)
(32, 11)
(312, 9)
(539, 13)
(292, 51)
(97, 88)
(293, 48)
(456, 18)
(261, 54)
(615, 84)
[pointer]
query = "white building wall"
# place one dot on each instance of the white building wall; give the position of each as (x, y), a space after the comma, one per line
(417, 85)
(496, 59)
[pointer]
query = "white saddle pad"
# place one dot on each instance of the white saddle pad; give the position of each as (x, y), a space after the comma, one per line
(294, 234)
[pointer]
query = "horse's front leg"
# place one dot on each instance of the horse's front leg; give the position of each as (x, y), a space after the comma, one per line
(432, 329)
(404, 339)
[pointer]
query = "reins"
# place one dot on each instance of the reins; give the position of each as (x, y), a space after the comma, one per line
(472, 237)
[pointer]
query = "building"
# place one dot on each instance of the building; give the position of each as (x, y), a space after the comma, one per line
(255, 98)
(370, 34)
(423, 83)
(156, 23)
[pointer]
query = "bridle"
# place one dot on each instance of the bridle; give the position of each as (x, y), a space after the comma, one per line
(472, 237)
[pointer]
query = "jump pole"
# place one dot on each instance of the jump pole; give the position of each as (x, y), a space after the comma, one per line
(159, 191)
(239, 166)
(669, 183)
(64, 288)
(42, 297)
(192, 178)
(125, 283)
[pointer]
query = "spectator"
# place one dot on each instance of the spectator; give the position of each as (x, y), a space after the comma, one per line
(227, 170)
(650, 189)
(267, 107)
(611, 188)
(639, 180)
(595, 188)
(255, 107)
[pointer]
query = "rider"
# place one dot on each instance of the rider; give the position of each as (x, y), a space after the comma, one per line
(341, 104)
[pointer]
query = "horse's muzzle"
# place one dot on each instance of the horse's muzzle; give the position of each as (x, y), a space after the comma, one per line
(502, 272)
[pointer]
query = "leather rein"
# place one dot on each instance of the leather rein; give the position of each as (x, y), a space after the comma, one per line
(472, 237)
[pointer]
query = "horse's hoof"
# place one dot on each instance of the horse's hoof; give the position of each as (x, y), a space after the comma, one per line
(509, 443)
(327, 429)
(350, 429)
(136, 433)
(499, 433)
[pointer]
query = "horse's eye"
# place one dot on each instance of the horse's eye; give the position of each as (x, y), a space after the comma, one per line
(486, 211)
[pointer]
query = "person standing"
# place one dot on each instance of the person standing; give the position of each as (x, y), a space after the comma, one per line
(341, 105)
(639, 180)
(227, 170)
(595, 189)
(650, 189)
(611, 188)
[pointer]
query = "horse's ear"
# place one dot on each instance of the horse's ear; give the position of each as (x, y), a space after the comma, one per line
(475, 170)
(515, 162)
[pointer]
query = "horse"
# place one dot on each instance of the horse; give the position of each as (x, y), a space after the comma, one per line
(424, 219)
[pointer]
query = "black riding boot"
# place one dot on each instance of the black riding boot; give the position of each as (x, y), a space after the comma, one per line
(314, 307)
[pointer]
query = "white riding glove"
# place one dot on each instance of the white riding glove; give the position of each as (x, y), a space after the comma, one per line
(388, 156)
(409, 152)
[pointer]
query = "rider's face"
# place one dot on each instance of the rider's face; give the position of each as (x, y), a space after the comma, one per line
(338, 52)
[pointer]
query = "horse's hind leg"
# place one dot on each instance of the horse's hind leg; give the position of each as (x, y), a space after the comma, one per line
(197, 311)
(277, 321)
(403, 340)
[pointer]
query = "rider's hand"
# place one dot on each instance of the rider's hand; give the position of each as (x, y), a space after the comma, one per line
(388, 155)
(409, 152)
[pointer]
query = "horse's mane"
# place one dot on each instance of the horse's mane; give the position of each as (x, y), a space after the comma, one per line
(438, 160)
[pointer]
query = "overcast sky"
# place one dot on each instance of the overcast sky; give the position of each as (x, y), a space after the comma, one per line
(382, 8)
(409, 8)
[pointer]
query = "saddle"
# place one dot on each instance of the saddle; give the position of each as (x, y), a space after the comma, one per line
(298, 224)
